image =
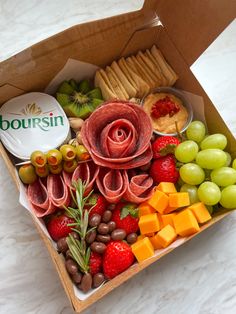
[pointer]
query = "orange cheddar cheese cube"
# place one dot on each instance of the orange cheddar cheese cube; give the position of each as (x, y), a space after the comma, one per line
(200, 212)
(185, 223)
(169, 209)
(145, 209)
(159, 201)
(179, 199)
(166, 236)
(142, 249)
(155, 242)
(149, 223)
(166, 187)
(160, 220)
(140, 237)
(168, 220)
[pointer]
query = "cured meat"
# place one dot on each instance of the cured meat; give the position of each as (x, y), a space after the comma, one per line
(139, 189)
(112, 184)
(87, 172)
(39, 200)
(58, 191)
(117, 135)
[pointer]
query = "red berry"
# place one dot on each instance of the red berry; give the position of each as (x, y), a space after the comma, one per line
(58, 226)
(117, 258)
(164, 170)
(125, 216)
(95, 263)
(98, 202)
(164, 145)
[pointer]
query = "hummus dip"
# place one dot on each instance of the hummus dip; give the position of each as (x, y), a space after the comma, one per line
(166, 124)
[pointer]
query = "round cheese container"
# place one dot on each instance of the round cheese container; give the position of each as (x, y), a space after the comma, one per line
(33, 121)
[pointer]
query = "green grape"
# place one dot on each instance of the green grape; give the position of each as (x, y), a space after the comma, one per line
(192, 192)
(234, 164)
(209, 193)
(192, 174)
(186, 151)
(196, 131)
(214, 141)
(211, 158)
(228, 197)
(229, 159)
(223, 176)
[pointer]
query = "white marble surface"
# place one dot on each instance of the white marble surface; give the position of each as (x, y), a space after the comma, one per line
(199, 277)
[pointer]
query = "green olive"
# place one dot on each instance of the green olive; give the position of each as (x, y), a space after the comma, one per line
(38, 158)
(69, 166)
(55, 169)
(82, 153)
(42, 172)
(68, 152)
(27, 174)
(54, 157)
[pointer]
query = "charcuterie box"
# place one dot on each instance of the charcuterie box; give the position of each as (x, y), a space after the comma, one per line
(181, 29)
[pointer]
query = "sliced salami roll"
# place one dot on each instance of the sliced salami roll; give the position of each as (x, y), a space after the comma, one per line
(139, 189)
(117, 135)
(58, 191)
(86, 171)
(39, 199)
(112, 184)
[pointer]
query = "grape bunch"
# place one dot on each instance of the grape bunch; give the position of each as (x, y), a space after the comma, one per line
(206, 172)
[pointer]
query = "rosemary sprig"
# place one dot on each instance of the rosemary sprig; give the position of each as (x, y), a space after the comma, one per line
(78, 248)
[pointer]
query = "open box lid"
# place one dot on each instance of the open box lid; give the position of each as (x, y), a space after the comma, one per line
(191, 25)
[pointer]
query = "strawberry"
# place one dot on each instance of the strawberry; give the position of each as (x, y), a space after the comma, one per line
(164, 145)
(58, 226)
(125, 215)
(95, 263)
(98, 202)
(164, 170)
(117, 258)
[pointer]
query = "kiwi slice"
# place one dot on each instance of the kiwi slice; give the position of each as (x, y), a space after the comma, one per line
(77, 103)
(73, 84)
(65, 88)
(95, 93)
(84, 87)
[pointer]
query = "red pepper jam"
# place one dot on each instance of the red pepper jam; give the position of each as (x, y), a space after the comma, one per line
(163, 107)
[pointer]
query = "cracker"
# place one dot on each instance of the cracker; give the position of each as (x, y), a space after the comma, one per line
(142, 87)
(153, 60)
(152, 67)
(130, 89)
(166, 68)
(119, 91)
(106, 89)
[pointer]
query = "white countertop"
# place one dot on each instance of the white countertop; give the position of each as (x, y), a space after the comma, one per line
(199, 277)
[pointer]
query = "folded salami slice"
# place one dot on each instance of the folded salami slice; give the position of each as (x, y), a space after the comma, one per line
(112, 184)
(58, 191)
(86, 171)
(117, 135)
(39, 200)
(139, 189)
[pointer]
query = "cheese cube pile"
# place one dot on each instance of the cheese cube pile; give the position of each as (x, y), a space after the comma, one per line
(165, 216)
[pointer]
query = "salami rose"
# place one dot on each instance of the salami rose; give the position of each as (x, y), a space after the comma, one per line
(117, 135)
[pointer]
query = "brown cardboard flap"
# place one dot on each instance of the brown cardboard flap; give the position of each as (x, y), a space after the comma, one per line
(98, 42)
(193, 24)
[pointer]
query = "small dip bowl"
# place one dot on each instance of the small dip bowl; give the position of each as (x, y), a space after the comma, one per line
(178, 94)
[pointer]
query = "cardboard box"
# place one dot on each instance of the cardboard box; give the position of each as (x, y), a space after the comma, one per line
(188, 27)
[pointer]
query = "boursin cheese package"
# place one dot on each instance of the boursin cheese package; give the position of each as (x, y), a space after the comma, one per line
(33, 121)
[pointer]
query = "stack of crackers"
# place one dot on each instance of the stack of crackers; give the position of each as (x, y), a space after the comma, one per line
(135, 76)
